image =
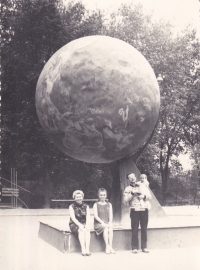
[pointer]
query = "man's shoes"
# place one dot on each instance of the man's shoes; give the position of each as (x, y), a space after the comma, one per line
(134, 251)
(145, 250)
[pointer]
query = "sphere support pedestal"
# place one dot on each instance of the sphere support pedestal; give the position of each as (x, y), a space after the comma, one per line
(120, 182)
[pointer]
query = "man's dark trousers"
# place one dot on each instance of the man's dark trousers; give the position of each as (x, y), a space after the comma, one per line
(139, 217)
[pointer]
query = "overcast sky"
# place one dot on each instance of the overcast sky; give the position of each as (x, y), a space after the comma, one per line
(180, 12)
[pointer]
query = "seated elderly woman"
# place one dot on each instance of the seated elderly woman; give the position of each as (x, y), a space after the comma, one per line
(80, 221)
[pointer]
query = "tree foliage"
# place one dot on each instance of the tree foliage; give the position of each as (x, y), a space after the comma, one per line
(32, 30)
(176, 59)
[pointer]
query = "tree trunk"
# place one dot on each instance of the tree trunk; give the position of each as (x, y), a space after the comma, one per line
(195, 195)
(47, 189)
(163, 192)
(164, 186)
(164, 169)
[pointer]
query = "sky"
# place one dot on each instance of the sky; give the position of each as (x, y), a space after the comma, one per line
(186, 162)
(179, 12)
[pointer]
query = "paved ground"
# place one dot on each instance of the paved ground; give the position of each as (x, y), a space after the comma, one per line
(21, 249)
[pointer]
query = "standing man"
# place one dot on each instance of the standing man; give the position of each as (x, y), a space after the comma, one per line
(138, 196)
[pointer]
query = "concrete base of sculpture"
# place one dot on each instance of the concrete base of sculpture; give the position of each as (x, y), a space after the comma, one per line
(160, 236)
(163, 231)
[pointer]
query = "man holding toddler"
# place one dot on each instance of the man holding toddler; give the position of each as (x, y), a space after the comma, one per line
(137, 194)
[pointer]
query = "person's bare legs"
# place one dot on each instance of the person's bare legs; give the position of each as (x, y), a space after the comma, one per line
(105, 237)
(81, 237)
(110, 239)
(87, 241)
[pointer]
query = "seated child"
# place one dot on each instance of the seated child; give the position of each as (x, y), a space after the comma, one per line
(103, 216)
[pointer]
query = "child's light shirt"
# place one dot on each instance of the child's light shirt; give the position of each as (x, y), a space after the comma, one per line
(146, 182)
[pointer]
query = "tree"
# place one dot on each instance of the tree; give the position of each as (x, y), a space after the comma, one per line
(29, 46)
(178, 100)
(176, 58)
(32, 31)
(79, 22)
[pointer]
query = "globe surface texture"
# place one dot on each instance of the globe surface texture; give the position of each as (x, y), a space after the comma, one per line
(97, 99)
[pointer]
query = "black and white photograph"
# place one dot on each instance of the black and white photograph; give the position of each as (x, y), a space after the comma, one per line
(100, 135)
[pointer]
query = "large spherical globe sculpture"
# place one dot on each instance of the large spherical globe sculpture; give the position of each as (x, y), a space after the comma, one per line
(98, 99)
